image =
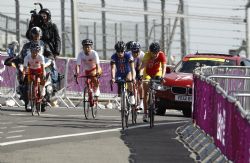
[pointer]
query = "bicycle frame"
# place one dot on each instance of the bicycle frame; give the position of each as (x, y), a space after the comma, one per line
(124, 102)
(151, 101)
(89, 101)
(35, 94)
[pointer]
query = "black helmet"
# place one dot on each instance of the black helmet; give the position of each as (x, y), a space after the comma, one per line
(46, 11)
(135, 47)
(87, 42)
(120, 46)
(35, 31)
(154, 47)
(128, 45)
(35, 47)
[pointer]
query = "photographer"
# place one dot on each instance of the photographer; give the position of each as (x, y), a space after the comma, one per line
(50, 36)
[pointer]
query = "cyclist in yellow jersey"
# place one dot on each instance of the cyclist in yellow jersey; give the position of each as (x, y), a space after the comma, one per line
(153, 66)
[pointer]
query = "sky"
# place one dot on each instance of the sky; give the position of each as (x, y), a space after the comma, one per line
(211, 26)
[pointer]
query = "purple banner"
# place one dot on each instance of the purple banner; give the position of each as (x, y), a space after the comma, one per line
(104, 79)
(7, 74)
(222, 120)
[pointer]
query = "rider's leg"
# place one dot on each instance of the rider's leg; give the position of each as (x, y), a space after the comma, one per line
(130, 88)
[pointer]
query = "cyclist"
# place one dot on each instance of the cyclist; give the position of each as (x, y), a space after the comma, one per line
(89, 58)
(153, 66)
(138, 55)
(34, 63)
(122, 67)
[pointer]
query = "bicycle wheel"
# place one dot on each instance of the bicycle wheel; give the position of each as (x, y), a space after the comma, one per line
(123, 107)
(126, 111)
(151, 110)
(134, 107)
(134, 114)
(38, 103)
(95, 107)
(31, 101)
(86, 105)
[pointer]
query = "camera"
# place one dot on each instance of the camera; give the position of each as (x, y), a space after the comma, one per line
(36, 18)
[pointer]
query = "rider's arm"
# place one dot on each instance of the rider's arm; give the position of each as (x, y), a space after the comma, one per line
(78, 63)
(112, 71)
(132, 66)
(164, 66)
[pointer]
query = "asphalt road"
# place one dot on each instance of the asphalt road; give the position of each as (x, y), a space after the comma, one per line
(64, 135)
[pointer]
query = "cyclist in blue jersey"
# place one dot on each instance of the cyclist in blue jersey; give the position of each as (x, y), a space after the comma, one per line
(122, 67)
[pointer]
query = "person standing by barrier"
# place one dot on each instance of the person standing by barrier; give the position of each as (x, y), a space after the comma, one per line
(138, 55)
(153, 66)
(90, 61)
(122, 66)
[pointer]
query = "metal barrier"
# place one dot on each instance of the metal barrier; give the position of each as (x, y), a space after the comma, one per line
(68, 91)
(221, 109)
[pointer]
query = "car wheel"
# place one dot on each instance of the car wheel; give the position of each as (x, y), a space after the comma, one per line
(187, 112)
(160, 111)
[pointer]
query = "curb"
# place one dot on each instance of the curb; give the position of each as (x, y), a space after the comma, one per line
(201, 144)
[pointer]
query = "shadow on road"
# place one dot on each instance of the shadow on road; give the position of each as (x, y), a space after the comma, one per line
(158, 144)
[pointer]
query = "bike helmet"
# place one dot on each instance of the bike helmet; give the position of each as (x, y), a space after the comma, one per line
(35, 47)
(46, 11)
(35, 31)
(87, 42)
(154, 47)
(120, 46)
(135, 47)
(128, 45)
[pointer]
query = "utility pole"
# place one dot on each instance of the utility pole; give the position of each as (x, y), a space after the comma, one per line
(182, 26)
(17, 23)
(247, 29)
(104, 31)
(74, 22)
(63, 26)
(145, 2)
(162, 25)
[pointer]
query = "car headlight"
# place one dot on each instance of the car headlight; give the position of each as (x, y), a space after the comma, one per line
(160, 87)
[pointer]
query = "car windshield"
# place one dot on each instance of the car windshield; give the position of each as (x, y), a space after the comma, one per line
(189, 65)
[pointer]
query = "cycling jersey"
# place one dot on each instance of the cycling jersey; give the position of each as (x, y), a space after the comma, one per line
(122, 64)
(34, 63)
(137, 63)
(153, 67)
(89, 61)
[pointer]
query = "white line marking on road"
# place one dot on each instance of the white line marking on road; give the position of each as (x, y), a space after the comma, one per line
(1, 132)
(2, 128)
(15, 131)
(29, 121)
(109, 116)
(18, 114)
(19, 126)
(50, 115)
(5, 123)
(81, 134)
(12, 137)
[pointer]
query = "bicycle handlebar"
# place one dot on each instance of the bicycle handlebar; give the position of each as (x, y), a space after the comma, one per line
(85, 76)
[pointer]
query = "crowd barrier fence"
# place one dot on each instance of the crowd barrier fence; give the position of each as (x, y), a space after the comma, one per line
(68, 91)
(218, 111)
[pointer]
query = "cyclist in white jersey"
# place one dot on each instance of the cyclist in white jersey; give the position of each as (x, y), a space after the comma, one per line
(138, 55)
(90, 61)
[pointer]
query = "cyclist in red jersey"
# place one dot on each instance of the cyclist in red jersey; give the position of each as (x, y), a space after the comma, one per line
(153, 66)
